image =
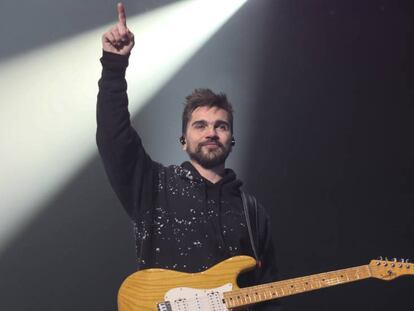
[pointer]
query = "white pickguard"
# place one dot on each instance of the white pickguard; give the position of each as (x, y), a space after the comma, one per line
(191, 299)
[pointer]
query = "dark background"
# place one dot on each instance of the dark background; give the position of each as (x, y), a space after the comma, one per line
(323, 93)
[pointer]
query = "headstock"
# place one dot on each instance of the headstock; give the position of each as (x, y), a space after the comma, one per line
(390, 269)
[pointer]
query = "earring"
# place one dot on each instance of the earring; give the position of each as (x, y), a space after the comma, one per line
(233, 141)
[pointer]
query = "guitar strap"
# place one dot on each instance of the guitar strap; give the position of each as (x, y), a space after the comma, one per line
(250, 210)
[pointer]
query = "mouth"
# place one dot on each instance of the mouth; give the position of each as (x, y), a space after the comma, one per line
(211, 145)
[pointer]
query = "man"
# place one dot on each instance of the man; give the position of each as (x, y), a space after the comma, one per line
(189, 217)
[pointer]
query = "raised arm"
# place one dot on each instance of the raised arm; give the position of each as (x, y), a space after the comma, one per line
(130, 170)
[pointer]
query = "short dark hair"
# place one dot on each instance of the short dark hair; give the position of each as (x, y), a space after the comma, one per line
(205, 98)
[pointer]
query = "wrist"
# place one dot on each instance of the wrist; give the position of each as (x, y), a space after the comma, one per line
(114, 61)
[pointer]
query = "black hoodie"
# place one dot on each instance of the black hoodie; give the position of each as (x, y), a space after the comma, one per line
(182, 221)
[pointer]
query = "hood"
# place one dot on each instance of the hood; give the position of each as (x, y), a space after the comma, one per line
(229, 183)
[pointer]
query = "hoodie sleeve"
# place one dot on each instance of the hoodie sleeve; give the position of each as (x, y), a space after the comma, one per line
(130, 170)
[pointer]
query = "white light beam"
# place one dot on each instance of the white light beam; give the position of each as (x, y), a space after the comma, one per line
(48, 96)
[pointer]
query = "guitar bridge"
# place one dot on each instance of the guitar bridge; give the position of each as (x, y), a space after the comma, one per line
(164, 306)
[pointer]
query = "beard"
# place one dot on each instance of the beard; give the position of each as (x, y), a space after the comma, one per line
(209, 158)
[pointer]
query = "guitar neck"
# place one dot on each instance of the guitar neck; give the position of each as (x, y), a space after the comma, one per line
(254, 294)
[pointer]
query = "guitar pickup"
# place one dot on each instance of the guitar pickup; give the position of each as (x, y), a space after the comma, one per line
(164, 306)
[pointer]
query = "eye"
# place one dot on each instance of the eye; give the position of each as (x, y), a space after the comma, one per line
(199, 125)
(223, 127)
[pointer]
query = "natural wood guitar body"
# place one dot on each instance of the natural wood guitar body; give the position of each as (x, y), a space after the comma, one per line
(142, 290)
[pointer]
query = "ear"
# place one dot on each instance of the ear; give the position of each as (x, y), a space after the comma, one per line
(183, 142)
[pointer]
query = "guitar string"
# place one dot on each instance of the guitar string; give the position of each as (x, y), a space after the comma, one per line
(311, 278)
(332, 279)
(251, 293)
(254, 291)
(285, 286)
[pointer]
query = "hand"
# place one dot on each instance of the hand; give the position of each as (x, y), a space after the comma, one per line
(119, 39)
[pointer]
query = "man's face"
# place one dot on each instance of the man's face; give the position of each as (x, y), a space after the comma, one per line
(208, 136)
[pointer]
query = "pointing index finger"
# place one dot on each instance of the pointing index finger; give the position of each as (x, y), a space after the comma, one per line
(121, 13)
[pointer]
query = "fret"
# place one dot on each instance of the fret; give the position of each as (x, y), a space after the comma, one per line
(275, 290)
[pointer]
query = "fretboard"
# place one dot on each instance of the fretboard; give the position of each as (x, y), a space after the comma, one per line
(269, 291)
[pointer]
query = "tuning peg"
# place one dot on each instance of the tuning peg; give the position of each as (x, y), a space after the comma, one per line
(379, 258)
(386, 258)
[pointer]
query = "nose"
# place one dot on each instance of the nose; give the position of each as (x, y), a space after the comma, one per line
(211, 132)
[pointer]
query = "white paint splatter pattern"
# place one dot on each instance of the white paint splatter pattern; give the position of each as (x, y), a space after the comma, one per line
(183, 231)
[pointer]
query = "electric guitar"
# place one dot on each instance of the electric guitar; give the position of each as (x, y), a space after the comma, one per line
(216, 289)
